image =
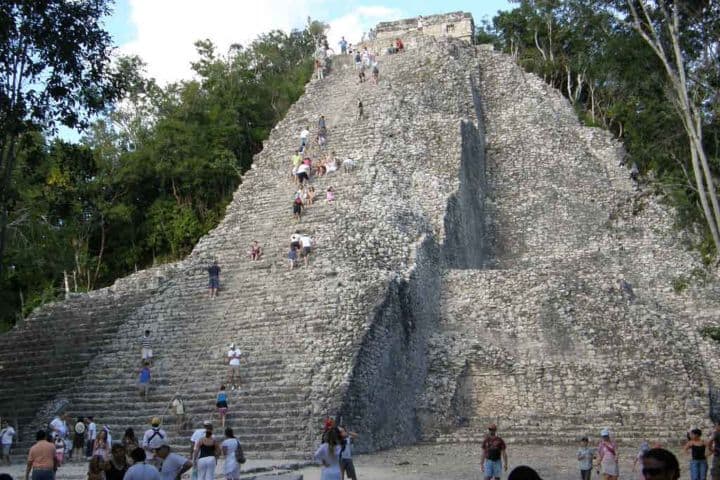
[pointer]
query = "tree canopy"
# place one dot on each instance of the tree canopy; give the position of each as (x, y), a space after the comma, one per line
(150, 176)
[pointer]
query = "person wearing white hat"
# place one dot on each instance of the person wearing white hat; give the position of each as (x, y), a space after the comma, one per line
(233, 355)
(607, 454)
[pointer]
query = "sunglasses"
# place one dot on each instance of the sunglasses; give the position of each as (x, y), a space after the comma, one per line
(652, 472)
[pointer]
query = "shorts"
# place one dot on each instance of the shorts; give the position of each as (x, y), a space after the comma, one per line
(234, 366)
(214, 283)
(493, 468)
(6, 449)
(144, 388)
(222, 410)
(42, 474)
(303, 177)
(346, 464)
(307, 250)
(146, 353)
(297, 208)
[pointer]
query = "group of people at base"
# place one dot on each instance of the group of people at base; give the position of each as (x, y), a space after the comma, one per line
(651, 463)
(149, 459)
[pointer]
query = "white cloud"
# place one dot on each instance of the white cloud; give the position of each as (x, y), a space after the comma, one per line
(358, 21)
(167, 29)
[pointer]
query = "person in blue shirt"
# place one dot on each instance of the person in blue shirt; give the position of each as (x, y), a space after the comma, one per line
(343, 45)
(221, 404)
(144, 380)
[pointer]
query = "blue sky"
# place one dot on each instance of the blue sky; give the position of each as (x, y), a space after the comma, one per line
(162, 32)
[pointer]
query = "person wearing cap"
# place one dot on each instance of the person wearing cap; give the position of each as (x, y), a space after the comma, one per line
(607, 454)
(172, 465)
(153, 438)
(585, 457)
(199, 433)
(233, 366)
(494, 449)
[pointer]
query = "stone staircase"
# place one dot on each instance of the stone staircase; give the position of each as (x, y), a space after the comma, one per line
(304, 333)
(467, 273)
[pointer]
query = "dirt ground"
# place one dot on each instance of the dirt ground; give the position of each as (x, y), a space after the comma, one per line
(425, 462)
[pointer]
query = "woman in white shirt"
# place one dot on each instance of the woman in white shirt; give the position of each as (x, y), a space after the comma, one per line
(229, 445)
(329, 455)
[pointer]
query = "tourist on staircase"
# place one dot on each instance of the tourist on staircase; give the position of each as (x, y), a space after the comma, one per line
(7, 434)
(146, 353)
(310, 196)
(607, 454)
(144, 381)
(255, 251)
(330, 195)
(343, 46)
(296, 160)
(297, 206)
(329, 456)
(117, 466)
(153, 438)
(41, 459)
(222, 405)
(172, 465)
(214, 281)
(399, 46)
(233, 356)
(322, 126)
(493, 450)
(140, 469)
(307, 244)
(233, 453)
(304, 135)
(292, 257)
(205, 456)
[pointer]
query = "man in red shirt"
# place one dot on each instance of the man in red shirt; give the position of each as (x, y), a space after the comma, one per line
(493, 448)
(41, 459)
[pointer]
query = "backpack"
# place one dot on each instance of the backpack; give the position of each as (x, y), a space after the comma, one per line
(239, 455)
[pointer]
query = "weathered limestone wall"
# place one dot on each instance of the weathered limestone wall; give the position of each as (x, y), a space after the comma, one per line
(455, 25)
(546, 341)
(327, 338)
(391, 364)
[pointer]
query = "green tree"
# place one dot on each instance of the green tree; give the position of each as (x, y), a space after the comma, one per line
(54, 69)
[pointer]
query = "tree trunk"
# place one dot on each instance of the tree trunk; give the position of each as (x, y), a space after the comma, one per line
(689, 115)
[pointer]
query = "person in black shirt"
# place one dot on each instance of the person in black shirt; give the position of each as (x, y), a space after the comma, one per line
(116, 466)
(214, 285)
